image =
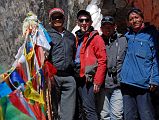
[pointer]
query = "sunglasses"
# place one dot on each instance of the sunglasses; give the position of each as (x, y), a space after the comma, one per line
(57, 17)
(82, 20)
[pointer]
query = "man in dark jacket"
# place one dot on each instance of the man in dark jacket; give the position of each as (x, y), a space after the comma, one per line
(111, 101)
(61, 55)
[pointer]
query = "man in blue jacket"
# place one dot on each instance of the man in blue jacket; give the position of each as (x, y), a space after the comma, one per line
(140, 74)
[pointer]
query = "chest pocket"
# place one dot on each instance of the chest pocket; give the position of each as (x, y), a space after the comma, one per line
(143, 49)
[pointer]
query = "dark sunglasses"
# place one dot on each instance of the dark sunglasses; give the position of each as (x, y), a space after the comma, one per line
(57, 17)
(82, 20)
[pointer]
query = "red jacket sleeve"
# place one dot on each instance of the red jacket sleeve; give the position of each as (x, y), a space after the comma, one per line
(100, 52)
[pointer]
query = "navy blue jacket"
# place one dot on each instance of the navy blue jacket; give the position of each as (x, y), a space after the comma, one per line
(63, 50)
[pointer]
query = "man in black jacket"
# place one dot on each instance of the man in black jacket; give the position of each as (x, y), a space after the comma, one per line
(62, 55)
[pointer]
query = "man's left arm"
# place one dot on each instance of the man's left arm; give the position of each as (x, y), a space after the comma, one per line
(121, 54)
(100, 53)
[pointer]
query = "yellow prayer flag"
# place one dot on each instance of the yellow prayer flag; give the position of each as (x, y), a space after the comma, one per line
(32, 94)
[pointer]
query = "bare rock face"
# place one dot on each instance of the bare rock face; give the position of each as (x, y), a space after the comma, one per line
(12, 14)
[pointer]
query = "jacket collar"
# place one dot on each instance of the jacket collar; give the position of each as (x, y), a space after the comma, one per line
(110, 39)
(52, 30)
(81, 34)
(147, 27)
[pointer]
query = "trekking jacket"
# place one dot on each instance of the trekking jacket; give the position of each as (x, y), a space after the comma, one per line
(62, 50)
(140, 67)
(116, 47)
(92, 57)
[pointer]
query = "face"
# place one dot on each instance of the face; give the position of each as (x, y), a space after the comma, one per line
(57, 20)
(108, 29)
(84, 22)
(135, 20)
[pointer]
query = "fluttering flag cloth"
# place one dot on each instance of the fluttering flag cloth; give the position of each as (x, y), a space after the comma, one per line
(9, 112)
(48, 38)
(29, 50)
(25, 65)
(15, 78)
(17, 99)
(4, 89)
(32, 94)
(20, 69)
(49, 70)
(39, 55)
(38, 111)
(42, 38)
(28, 70)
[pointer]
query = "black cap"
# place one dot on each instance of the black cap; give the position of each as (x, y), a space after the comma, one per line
(108, 19)
(83, 12)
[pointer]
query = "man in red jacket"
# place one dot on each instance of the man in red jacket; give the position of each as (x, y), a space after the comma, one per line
(91, 57)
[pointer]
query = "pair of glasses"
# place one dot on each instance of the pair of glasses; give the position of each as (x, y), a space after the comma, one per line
(57, 17)
(82, 20)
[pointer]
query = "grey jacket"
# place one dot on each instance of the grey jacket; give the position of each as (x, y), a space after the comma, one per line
(62, 50)
(116, 47)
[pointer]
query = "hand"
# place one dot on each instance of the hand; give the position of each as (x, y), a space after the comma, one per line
(152, 88)
(96, 88)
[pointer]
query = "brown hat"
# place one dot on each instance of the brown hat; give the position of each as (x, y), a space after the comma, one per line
(55, 10)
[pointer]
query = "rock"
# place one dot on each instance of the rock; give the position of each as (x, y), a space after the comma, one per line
(12, 14)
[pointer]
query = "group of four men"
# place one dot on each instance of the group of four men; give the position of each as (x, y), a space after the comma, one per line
(88, 65)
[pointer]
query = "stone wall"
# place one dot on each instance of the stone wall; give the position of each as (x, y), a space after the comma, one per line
(12, 14)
